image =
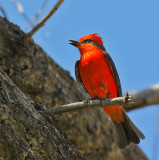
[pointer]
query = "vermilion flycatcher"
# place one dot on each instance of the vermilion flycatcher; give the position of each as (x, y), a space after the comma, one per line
(97, 74)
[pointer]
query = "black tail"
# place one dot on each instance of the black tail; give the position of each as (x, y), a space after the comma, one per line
(127, 132)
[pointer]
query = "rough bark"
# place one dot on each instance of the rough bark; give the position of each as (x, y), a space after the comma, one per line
(24, 133)
(36, 74)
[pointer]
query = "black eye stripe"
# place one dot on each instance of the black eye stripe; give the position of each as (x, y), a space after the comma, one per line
(100, 46)
(87, 41)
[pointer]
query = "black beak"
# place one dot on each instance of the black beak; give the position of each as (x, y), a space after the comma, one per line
(74, 43)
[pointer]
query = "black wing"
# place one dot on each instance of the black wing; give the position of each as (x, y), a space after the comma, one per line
(114, 73)
(77, 74)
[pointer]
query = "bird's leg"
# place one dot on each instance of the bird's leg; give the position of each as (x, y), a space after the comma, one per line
(89, 99)
(86, 102)
(102, 99)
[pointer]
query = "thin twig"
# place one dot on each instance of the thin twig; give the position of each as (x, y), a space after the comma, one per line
(42, 23)
(21, 10)
(3, 12)
(91, 104)
(37, 15)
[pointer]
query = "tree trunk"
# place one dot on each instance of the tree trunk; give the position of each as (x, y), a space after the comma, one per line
(24, 133)
(37, 75)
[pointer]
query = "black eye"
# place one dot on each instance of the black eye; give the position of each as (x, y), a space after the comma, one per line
(87, 41)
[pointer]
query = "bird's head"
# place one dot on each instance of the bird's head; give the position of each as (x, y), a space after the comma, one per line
(88, 43)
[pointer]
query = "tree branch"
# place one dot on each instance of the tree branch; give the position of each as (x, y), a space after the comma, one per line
(139, 99)
(21, 10)
(42, 23)
(143, 98)
(3, 12)
(37, 15)
(91, 104)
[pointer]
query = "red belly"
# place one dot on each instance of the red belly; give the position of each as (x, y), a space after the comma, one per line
(96, 75)
(98, 80)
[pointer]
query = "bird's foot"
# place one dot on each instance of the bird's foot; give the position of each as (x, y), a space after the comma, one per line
(86, 102)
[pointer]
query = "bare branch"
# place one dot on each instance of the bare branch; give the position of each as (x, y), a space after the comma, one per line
(21, 10)
(31, 23)
(42, 23)
(18, 5)
(144, 98)
(91, 104)
(139, 99)
(3, 12)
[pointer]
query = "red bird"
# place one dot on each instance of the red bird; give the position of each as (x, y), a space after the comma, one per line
(97, 74)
